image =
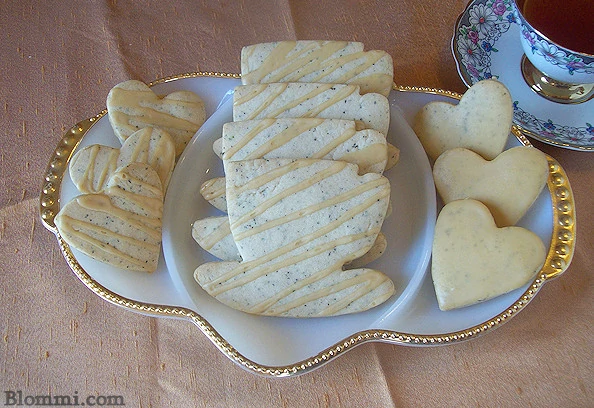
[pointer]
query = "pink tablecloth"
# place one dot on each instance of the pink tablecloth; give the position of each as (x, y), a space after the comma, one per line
(59, 60)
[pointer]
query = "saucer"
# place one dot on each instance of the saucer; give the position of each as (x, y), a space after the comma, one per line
(486, 44)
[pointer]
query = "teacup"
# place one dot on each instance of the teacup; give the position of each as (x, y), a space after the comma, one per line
(551, 69)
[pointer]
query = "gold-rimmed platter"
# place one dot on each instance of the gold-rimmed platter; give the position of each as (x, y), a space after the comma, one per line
(284, 346)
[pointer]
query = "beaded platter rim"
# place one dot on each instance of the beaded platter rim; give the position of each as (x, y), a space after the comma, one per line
(557, 261)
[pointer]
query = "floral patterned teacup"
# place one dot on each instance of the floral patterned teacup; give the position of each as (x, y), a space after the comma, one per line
(551, 70)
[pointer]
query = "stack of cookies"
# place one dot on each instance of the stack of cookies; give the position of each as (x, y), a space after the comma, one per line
(303, 191)
(117, 219)
(478, 251)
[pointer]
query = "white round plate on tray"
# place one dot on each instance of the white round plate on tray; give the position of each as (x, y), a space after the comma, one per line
(288, 346)
(486, 44)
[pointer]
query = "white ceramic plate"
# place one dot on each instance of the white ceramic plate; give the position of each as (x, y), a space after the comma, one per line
(409, 231)
(288, 346)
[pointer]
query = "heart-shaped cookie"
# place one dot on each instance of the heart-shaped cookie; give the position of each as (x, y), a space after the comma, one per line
(132, 105)
(91, 167)
(508, 185)
(480, 122)
(473, 260)
(122, 226)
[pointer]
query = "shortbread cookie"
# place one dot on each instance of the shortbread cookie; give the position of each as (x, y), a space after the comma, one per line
(217, 147)
(122, 226)
(296, 223)
(213, 191)
(375, 252)
(214, 236)
(92, 166)
(152, 146)
(392, 159)
(480, 122)
(311, 100)
(289, 138)
(508, 185)
(338, 62)
(473, 260)
(301, 138)
(393, 156)
(331, 139)
(132, 105)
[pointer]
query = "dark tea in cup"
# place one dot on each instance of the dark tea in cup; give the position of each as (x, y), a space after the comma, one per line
(569, 23)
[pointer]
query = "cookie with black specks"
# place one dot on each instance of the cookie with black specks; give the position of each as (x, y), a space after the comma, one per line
(91, 167)
(340, 62)
(311, 100)
(296, 223)
(508, 185)
(132, 105)
(474, 261)
(480, 122)
(122, 225)
(298, 138)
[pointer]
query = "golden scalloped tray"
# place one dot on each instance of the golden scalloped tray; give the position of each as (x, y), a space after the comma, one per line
(283, 346)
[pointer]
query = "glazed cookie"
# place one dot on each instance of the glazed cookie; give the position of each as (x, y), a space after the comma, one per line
(213, 191)
(296, 223)
(122, 225)
(132, 105)
(331, 139)
(92, 166)
(339, 62)
(311, 100)
(213, 234)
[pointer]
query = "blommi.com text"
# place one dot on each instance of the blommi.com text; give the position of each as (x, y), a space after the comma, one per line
(20, 399)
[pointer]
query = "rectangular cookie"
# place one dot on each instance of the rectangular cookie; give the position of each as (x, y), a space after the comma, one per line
(340, 62)
(311, 100)
(295, 138)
